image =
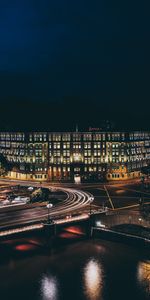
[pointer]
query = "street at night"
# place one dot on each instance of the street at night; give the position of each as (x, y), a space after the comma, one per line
(33, 250)
(113, 196)
(74, 150)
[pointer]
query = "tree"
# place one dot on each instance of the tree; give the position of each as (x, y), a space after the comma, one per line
(4, 166)
(36, 195)
(40, 194)
(145, 170)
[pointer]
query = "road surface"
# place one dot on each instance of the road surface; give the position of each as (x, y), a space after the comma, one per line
(76, 200)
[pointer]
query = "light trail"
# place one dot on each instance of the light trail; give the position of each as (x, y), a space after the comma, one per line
(41, 226)
(75, 201)
(18, 230)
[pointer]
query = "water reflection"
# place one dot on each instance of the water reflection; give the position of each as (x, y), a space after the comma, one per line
(93, 280)
(144, 275)
(49, 288)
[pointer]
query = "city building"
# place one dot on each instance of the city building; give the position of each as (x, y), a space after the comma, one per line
(75, 156)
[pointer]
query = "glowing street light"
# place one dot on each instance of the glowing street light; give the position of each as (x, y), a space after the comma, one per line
(49, 206)
(91, 199)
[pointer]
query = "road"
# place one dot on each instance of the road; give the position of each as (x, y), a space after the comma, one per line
(116, 196)
(76, 200)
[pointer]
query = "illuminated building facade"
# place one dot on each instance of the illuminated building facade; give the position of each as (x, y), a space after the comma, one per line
(75, 156)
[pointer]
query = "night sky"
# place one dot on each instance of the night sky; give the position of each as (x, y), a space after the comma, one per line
(67, 62)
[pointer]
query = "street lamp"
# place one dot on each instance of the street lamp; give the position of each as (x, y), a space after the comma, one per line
(49, 205)
(91, 200)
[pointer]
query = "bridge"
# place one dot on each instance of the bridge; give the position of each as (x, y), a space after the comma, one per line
(115, 218)
(102, 224)
(38, 226)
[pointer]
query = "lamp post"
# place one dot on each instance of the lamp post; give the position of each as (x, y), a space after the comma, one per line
(49, 205)
(91, 200)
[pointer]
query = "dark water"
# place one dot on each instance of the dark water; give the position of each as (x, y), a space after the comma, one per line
(92, 270)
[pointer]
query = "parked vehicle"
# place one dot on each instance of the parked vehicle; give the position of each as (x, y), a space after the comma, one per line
(21, 199)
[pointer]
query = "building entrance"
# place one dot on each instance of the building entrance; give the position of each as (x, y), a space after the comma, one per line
(77, 179)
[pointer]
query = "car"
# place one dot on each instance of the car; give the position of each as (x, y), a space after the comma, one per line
(30, 188)
(21, 199)
(5, 202)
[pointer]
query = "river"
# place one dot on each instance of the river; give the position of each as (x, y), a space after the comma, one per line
(80, 270)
